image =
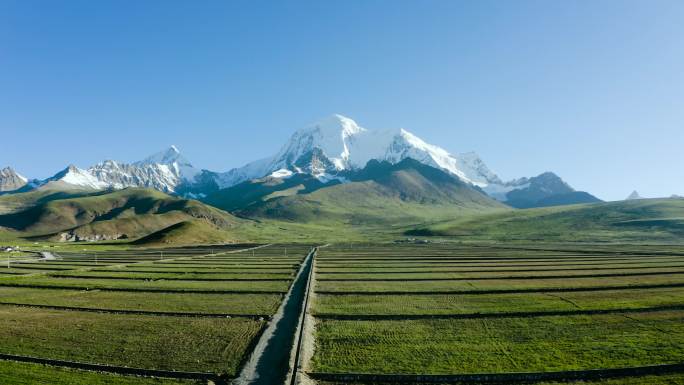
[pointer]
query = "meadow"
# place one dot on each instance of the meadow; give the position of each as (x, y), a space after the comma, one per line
(198, 310)
(377, 309)
(453, 309)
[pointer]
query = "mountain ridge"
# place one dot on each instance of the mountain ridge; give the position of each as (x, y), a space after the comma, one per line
(326, 150)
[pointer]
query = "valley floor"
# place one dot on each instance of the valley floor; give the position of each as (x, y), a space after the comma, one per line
(374, 314)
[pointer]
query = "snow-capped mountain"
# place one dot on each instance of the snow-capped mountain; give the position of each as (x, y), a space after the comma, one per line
(72, 177)
(164, 171)
(10, 180)
(338, 143)
(330, 150)
(177, 164)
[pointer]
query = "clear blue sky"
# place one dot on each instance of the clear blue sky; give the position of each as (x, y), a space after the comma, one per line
(593, 90)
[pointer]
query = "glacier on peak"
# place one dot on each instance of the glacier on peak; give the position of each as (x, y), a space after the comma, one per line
(348, 146)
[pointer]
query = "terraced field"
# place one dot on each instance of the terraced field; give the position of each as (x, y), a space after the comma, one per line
(440, 313)
(185, 315)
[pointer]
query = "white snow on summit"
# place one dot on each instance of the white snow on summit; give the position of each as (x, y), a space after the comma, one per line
(324, 149)
(163, 171)
(349, 146)
(282, 173)
(76, 177)
(172, 157)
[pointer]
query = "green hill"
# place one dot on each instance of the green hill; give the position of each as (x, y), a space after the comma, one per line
(645, 220)
(380, 195)
(124, 214)
(11, 203)
(257, 191)
(187, 233)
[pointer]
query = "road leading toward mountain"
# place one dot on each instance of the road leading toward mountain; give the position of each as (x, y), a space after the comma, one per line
(271, 360)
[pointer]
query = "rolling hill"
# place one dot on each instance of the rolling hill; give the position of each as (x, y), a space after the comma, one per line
(638, 221)
(125, 214)
(381, 194)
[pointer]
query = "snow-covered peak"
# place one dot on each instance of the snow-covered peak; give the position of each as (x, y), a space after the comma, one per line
(167, 156)
(8, 172)
(333, 135)
(177, 164)
(75, 176)
(334, 125)
(338, 143)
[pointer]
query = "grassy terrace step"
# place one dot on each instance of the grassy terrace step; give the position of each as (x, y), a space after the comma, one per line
(667, 379)
(161, 302)
(326, 273)
(175, 275)
(64, 264)
(500, 284)
(168, 343)
(200, 268)
(43, 267)
(94, 283)
(499, 275)
(491, 259)
(458, 264)
(495, 303)
(21, 373)
(351, 266)
(499, 345)
(13, 271)
(193, 271)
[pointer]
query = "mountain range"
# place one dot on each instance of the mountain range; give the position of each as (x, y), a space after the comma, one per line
(333, 180)
(329, 152)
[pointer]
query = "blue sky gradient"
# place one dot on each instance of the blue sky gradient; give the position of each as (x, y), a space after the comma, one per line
(592, 90)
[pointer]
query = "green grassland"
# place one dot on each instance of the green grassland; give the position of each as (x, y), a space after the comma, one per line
(127, 214)
(407, 195)
(179, 275)
(12, 203)
(637, 221)
(495, 274)
(160, 285)
(46, 322)
(368, 329)
(158, 302)
(496, 303)
(180, 343)
(405, 202)
(499, 345)
(501, 284)
(21, 373)
(664, 379)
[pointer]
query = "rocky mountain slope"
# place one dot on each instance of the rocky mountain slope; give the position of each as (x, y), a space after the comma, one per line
(10, 180)
(547, 189)
(382, 193)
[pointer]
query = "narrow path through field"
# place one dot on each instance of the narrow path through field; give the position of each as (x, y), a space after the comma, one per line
(270, 361)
